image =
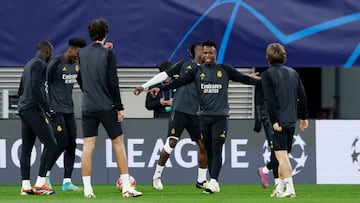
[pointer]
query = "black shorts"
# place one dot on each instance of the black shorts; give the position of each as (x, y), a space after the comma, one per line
(283, 140)
(64, 127)
(179, 121)
(91, 120)
(214, 127)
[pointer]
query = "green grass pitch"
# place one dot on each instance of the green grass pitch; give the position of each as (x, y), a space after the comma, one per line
(179, 193)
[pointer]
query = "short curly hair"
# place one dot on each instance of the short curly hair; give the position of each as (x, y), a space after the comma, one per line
(98, 29)
(77, 42)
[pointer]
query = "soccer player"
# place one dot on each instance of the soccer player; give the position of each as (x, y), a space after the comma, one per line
(35, 115)
(262, 118)
(62, 72)
(184, 115)
(285, 100)
(101, 104)
(211, 82)
(162, 103)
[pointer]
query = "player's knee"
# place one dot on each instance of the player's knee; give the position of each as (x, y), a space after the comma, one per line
(170, 144)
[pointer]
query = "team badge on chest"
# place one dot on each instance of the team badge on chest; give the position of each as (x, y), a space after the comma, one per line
(59, 128)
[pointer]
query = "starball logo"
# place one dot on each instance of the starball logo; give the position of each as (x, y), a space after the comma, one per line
(298, 156)
(355, 152)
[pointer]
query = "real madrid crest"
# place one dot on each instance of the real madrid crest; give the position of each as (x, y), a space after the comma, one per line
(59, 128)
(172, 131)
(77, 68)
(219, 74)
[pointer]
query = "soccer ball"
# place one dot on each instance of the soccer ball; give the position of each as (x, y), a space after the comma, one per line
(132, 182)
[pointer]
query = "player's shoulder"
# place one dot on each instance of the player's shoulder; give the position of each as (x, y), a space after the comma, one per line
(38, 63)
(184, 65)
(58, 59)
(225, 66)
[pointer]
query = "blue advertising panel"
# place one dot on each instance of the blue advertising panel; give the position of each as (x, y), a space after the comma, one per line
(145, 33)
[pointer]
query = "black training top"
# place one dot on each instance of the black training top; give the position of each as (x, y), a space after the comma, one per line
(186, 98)
(61, 76)
(284, 95)
(32, 85)
(98, 79)
(154, 104)
(212, 83)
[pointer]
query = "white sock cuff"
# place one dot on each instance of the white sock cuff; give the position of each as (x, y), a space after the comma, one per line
(158, 171)
(66, 180)
(87, 183)
(202, 174)
(26, 184)
(125, 180)
(265, 170)
(40, 181)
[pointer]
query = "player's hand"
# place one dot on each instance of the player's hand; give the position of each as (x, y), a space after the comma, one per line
(303, 124)
(50, 114)
(154, 91)
(163, 102)
(277, 127)
(257, 127)
(120, 116)
(255, 75)
(138, 90)
(109, 45)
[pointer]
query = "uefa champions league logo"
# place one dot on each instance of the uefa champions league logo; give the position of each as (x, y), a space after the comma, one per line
(355, 148)
(297, 157)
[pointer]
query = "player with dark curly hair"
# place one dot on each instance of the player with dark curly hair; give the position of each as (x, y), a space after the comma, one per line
(61, 74)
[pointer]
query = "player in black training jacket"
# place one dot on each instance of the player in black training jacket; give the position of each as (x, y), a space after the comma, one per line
(211, 82)
(101, 104)
(61, 74)
(285, 101)
(35, 117)
(183, 116)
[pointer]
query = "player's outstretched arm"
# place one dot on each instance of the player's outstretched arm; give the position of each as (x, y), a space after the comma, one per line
(138, 90)
(153, 81)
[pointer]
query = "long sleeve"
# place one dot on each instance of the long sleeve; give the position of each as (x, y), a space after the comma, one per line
(38, 72)
(113, 81)
(269, 97)
(237, 76)
(183, 80)
(302, 101)
(21, 87)
(51, 69)
(158, 78)
(258, 107)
